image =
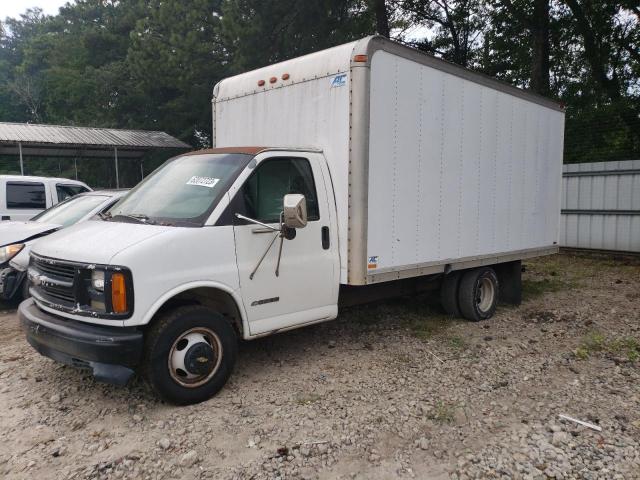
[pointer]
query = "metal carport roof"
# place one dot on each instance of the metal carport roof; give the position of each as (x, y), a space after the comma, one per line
(63, 140)
(25, 139)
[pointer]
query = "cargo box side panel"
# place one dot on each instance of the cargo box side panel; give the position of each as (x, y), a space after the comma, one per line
(457, 170)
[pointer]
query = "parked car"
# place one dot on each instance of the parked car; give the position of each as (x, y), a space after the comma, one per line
(389, 172)
(17, 238)
(23, 197)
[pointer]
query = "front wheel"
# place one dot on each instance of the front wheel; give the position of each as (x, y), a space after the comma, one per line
(190, 353)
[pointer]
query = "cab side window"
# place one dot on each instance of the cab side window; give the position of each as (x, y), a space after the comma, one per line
(27, 195)
(273, 179)
(66, 191)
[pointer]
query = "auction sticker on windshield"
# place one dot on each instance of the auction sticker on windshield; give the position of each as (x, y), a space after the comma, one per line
(209, 182)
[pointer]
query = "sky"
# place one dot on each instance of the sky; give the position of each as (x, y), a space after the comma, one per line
(13, 8)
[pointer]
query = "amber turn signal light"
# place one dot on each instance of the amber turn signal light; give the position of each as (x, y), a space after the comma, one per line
(360, 58)
(118, 293)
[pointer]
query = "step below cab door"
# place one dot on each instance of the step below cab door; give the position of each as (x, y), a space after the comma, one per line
(303, 287)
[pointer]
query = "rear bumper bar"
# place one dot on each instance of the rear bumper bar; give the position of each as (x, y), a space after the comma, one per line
(111, 353)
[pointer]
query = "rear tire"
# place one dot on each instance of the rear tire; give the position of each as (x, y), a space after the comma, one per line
(478, 294)
(449, 294)
(190, 353)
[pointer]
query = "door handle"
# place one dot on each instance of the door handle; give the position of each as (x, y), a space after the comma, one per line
(326, 240)
(261, 230)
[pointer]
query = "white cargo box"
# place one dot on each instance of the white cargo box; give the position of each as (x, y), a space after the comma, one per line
(433, 166)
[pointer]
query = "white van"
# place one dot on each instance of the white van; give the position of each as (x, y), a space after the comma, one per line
(386, 172)
(23, 197)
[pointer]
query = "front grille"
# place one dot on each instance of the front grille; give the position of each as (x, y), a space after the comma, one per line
(53, 280)
(56, 269)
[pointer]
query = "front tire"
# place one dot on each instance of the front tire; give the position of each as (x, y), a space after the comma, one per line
(190, 353)
(478, 294)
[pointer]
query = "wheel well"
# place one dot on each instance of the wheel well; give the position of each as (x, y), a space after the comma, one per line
(213, 298)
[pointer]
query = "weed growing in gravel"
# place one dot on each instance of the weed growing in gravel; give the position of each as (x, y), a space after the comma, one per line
(458, 343)
(535, 288)
(425, 327)
(628, 346)
(443, 412)
(595, 342)
(308, 399)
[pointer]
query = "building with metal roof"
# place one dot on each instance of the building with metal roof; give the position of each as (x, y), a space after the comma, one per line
(24, 139)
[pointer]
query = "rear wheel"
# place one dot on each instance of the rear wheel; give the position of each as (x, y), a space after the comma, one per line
(478, 294)
(190, 353)
(449, 294)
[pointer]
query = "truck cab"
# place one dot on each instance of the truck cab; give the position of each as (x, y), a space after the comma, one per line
(198, 254)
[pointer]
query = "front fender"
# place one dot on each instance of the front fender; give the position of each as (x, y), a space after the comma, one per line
(168, 295)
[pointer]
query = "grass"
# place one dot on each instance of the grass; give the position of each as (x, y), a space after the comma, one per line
(425, 327)
(308, 399)
(597, 342)
(565, 272)
(443, 412)
(458, 343)
(557, 272)
(535, 288)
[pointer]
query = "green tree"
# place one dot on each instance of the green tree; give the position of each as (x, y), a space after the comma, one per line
(257, 32)
(175, 59)
(455, 27)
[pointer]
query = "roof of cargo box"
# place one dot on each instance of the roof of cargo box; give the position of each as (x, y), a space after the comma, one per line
(300, 69)
(332, 61)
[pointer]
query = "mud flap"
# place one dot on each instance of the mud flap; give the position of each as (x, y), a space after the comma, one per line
(510, 282)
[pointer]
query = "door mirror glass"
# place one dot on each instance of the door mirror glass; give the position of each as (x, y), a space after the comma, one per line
(295, 210)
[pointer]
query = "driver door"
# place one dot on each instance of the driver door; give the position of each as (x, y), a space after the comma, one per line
(304, 289)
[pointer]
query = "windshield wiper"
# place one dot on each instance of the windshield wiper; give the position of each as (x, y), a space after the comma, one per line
(138, 217)
(104, 215)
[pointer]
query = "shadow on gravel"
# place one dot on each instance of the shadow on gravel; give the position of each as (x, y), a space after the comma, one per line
(366, 326)
(362, 327)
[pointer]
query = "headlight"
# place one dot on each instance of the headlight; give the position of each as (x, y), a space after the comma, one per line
(108, 290)
(97, 280)
(10, 251)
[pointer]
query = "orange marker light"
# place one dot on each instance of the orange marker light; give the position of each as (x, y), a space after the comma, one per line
(360, 58)
(285, 76)
(261, 83)
(118, 293)
(273, 80)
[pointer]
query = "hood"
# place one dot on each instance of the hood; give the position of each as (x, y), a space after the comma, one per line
(20, 232)
(95, 241)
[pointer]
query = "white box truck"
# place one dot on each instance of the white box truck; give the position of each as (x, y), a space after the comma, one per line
(351, 174)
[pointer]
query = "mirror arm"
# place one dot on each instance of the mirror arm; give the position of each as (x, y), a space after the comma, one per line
(282, 227)
(251, 220)
(280, 233)
(262, 257)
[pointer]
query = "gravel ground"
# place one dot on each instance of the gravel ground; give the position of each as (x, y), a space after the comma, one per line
(393, 390)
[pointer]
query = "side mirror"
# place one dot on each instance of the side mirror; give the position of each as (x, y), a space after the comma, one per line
(295, 210)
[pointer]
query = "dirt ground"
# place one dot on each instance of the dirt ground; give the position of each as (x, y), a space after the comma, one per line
(392, 390)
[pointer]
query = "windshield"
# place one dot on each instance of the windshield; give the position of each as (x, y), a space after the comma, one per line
(71, 210)
(184, 191)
